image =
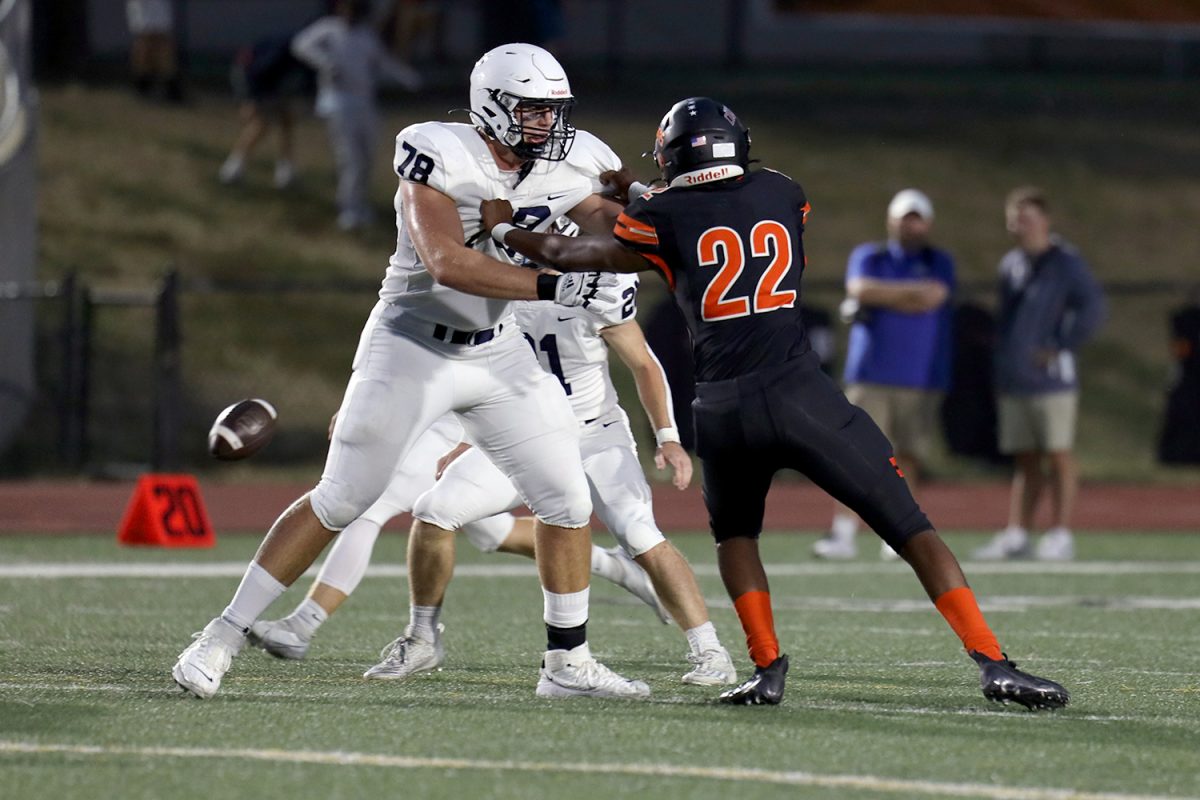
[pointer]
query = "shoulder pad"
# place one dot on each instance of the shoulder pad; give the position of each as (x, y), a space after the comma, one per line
(590, 156)
(780, 174)
(429, 152)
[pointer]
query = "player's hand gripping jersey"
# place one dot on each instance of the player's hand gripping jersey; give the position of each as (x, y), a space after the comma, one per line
(454, 159)
(732, 253)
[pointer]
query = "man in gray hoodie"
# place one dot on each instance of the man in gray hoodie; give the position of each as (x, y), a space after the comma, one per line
(1049, 306)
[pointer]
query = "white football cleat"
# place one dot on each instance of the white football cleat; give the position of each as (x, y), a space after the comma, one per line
(408, 655)
(205, 661)
(633, 579)
(834, 548)
(713, 668)
(1008, 543)
(1056, 544)
(574, 673)
(280, 638)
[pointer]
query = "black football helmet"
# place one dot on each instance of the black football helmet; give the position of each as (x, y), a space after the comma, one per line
(701, 140)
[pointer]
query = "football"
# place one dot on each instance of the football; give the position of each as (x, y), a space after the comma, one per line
(242, 430)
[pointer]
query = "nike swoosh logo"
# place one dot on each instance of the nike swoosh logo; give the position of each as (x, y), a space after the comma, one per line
(606, 424)
(556, 196)
(565, 319)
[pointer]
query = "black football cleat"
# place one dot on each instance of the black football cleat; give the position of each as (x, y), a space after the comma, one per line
(765, 686)
(1003, 682)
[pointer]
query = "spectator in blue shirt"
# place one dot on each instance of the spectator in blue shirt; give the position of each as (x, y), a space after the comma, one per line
(898, 360)
(1049, 306)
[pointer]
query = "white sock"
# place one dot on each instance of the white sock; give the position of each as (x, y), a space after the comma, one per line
(565, 610)
(703, 637)
(423, 622)
(347, 562)
(605, 564)
(1016, 532)
(1059, 530)
(257, 590)
(308, 616)
(844, 526)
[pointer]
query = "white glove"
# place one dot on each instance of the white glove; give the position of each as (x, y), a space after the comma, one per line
(582, 288)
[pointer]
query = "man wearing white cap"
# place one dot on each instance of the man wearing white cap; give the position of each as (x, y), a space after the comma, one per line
(898, 358)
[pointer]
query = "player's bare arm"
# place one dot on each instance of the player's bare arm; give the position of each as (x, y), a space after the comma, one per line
(595, 214)
(437, 234)
(564, 253)
(629, 343)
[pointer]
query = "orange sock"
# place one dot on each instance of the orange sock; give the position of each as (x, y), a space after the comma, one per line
(959, 608)
(754, 610)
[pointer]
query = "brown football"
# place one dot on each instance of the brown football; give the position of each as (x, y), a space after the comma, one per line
(242, 430)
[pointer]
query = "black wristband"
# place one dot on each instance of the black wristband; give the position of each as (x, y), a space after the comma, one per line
(547, 287)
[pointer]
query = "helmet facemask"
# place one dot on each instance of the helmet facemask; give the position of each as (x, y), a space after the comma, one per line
(529, 141)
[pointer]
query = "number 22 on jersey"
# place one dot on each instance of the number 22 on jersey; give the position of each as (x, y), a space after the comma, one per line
(723, 248)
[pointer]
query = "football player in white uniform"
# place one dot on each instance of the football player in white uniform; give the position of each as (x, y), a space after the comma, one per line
(344, 567)
(572, 344)
(442, 338)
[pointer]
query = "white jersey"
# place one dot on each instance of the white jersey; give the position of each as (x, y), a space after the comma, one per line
(454, 159)
(568, 345)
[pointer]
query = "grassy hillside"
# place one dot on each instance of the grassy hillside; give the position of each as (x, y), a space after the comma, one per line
(128, 189)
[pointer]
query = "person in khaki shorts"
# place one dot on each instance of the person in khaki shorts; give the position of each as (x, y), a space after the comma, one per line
(898, 360)
(1049, 306)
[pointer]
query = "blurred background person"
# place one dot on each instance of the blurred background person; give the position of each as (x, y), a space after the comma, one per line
(152, 57)
(900, 349)
(1049, 306)
(266, 76)
(349, 60)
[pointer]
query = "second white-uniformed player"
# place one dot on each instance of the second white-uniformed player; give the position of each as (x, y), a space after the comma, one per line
(442, 339)
(573, 345)
(346, 564)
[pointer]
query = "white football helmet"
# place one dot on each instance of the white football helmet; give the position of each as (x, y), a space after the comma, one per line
(514, 75)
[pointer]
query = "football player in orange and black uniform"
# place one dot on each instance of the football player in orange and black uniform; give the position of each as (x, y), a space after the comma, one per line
(728, 241)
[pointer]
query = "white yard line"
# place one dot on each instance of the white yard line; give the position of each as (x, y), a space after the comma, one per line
(871, 783)
(225, 569)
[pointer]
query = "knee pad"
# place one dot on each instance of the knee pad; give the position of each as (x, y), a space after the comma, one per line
(437, 508)
(338, 504)
(638, 538)
(570, 509)
(488, 534)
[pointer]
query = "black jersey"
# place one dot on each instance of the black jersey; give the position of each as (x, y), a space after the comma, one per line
(733, 255)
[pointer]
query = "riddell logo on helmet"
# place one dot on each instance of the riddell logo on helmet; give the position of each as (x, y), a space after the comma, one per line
(557, 92)
(708, 175)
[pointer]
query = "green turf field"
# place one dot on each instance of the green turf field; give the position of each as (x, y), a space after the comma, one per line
(881, 701)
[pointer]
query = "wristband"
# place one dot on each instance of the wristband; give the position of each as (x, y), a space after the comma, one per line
(664, 435)
(501, 230)
(547, 287)
(637, 189)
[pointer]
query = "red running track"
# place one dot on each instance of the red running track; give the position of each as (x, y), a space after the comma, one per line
(92, 507)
